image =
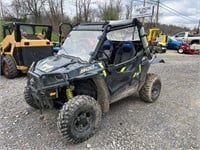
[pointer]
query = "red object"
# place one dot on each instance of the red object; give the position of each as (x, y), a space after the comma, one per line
(186, 49)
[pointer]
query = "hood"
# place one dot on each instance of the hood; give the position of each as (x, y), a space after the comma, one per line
(58, 63)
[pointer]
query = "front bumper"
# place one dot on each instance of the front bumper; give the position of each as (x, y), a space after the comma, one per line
(41, 93)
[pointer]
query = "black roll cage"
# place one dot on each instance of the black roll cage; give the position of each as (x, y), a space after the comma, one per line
(105, 27)
(116, 26)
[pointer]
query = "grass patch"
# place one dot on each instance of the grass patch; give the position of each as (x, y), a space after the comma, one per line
(55, 37)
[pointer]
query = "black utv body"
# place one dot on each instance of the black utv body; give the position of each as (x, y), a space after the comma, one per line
(99, 63)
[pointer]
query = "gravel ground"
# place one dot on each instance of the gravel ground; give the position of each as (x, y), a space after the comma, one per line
(172, 122)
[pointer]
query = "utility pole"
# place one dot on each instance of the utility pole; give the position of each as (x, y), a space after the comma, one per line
(157, 13)
(152, 15)
(144, 4)
(198, 28)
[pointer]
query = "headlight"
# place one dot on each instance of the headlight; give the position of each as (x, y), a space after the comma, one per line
(32, 81)
(49, 79)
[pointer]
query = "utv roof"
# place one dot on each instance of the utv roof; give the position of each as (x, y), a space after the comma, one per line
(112, 24)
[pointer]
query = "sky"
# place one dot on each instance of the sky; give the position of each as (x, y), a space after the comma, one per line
(184, 13)
(188, 12)
(177, 12)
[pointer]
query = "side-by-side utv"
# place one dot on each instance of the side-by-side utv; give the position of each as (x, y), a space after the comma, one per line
(23, 44)
(98, 64)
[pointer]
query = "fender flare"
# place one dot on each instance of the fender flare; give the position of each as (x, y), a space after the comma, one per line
(103, 96)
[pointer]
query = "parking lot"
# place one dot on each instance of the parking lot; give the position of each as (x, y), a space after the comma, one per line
(172, 122)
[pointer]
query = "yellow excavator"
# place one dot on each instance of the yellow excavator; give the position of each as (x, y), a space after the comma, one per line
(23, 44)
(157, 39)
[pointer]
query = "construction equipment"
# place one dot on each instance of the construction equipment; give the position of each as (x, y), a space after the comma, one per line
(23, 44)
(157, 39)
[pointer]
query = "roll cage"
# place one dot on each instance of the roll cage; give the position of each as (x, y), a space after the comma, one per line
(106, 27)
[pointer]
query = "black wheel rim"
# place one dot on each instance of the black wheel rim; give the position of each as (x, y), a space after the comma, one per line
(155, 92)
(83, 121)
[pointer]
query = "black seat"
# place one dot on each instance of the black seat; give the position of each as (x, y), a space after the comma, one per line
(106, 50)
(125, 52)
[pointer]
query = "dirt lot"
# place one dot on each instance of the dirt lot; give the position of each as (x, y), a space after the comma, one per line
(172, 122)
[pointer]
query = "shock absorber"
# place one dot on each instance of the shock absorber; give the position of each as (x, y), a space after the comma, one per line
(69, 93)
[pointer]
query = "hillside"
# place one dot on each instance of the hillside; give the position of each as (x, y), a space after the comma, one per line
(169, 29)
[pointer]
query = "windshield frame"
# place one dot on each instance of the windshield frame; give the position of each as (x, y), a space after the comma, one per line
(81, 43)
(105, 28)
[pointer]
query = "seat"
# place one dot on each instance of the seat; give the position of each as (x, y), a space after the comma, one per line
(106, 49)
(106, 45)
(125, 52)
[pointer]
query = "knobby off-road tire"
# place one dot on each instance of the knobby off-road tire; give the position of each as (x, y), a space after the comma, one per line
(1, 65)
(151, 88)
(29, 99)
(79, 118)
(9, 67)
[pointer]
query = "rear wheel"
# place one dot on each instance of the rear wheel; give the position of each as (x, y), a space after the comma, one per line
(180, 51)
(9, 67)
(79, 118)
(151, 88)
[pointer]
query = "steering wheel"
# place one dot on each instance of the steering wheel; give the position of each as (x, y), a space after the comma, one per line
(107, 60)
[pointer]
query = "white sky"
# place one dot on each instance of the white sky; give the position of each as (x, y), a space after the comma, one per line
(189, 8)
(189, 15)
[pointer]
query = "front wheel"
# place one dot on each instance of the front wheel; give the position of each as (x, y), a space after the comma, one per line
(79, 118)
(151, 88)
(9, 67)
(180, 51)
(29, 99)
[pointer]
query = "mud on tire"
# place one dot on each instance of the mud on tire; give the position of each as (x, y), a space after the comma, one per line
(29, 100)
(9, 68)
(151, 88)
(79, 118)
